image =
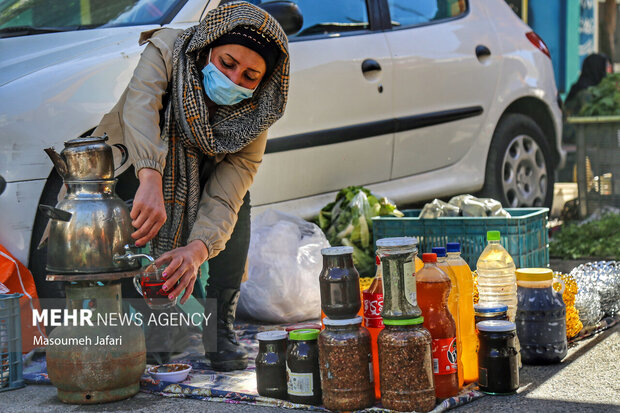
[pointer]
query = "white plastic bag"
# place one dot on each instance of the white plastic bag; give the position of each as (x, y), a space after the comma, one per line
(284, 265)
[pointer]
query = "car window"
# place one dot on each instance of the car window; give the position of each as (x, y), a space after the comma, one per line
(56, 15)
(407, 13)
(329, 17)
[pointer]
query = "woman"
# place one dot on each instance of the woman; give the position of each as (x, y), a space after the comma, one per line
(218, 86)
(594, 68)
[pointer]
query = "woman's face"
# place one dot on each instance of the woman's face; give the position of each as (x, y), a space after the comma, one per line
(240, 64)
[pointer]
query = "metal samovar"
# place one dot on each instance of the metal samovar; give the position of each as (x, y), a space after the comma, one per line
(88, 249)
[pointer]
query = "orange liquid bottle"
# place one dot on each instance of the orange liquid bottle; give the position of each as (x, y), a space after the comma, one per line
(433, 287)
(453, 306)
(466, 324)
(372, 306)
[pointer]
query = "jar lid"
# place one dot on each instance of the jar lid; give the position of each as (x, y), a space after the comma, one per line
(337, 250)
(302, 335)
(275, 335)
(397, 242)
(345, 322)
(497, 326)
(534, 274)
(485, 308)
(405, 322)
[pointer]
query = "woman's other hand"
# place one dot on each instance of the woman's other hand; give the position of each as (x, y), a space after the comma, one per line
(148, 212)
(183, 264)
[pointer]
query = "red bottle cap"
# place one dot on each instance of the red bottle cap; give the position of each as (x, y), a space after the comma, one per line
(429, 257)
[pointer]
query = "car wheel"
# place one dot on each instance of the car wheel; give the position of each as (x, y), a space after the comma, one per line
(519, 170)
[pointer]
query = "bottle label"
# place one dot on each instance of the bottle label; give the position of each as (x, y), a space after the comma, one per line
(373, 304)
(299, 384)
(444, 355)
(409, 278)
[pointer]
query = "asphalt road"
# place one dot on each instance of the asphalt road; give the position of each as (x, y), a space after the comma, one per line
(587, 380)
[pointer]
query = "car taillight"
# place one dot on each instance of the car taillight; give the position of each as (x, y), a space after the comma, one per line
(537, 41)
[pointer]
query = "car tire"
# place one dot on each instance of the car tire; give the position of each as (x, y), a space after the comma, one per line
(519, 169)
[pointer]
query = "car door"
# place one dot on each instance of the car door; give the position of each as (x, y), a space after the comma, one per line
(333, 132)
(446, 65)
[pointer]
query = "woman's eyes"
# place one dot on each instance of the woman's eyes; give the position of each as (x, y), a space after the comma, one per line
(231, 65)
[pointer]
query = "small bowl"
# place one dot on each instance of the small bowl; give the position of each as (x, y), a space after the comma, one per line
(174, 372)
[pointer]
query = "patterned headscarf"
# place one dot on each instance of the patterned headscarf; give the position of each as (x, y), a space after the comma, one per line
(186, 126)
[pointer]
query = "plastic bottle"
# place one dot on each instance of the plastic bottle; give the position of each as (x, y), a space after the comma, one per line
(453, 305)
(372, 305)
(497, 282)
(465, 325)
(433, 286)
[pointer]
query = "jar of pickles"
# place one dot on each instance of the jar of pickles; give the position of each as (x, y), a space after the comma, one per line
(498, 364)
(271, 364)
(339, 283)
(345, 360)
(399, 283)
(302, 367)
(405, 366)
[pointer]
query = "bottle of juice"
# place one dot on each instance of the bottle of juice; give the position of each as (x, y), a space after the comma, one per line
(372, 306)
(453, 305)
(433, 287)
(465, 325)
(497, 282)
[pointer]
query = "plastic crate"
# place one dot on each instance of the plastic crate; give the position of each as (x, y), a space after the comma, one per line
(11, 366)
(524, 235)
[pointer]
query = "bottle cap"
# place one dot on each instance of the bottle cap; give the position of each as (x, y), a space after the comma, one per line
(490, 308)
(497, 326)
(405, 322)
(440, 251)
(534, 274)
(429, 257)
(453, 247)
(337, 250)
(397, 242)
(302, 335)
(493, 235)
(345, 322)
(275, 335)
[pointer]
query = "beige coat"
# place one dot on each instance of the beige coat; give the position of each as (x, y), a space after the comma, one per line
(134, 121)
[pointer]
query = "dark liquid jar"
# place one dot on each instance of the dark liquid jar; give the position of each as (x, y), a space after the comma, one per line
(339, 283)
(271, 364)
(302, 367)
(541, 317)
(490, 311)
(345, 359)
(397, 257)
(498, 365)
(405, 366)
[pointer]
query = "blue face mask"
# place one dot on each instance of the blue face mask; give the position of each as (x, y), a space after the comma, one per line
(220, 89)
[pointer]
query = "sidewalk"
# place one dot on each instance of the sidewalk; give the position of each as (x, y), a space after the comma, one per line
(587, 380)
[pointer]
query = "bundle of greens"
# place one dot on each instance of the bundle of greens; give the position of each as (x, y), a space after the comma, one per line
(595, 239)
(604, 98)
(347, 221)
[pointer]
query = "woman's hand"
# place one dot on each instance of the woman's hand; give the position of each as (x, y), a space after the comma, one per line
(183, 264)
(148, 212)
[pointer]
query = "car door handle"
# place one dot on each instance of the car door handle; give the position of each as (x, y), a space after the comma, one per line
(482, 51)
(369, 65)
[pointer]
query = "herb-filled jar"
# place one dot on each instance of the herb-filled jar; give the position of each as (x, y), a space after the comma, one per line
(490, 311)
(541, 317)
(498, 365)
(405, 366)
(399, 283)
(345, 360)
(339, 283)
(271, 364)
(302, 367)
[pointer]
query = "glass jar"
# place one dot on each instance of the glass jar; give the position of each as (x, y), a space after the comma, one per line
(302, 367)
(405, 366)
(271, 364)
(339, 283)
(345, 359)
(490, 311)
(498, 365)
(541, 317)
(399, 283)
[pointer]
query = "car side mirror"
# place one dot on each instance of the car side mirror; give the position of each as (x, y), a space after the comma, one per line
(286, 13)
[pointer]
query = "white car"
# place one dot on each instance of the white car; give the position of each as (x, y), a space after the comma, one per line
(414, 99)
